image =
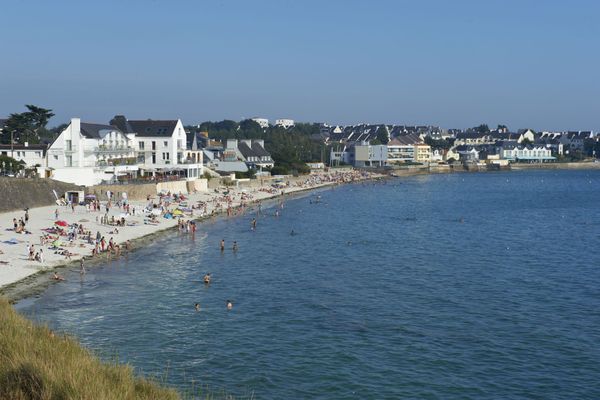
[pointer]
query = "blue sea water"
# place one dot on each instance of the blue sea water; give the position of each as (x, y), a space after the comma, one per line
(458, 286)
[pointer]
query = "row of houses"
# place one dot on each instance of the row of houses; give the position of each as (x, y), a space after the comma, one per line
(90, 153)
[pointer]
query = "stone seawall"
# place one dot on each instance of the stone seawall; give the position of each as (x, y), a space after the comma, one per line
(19, 193)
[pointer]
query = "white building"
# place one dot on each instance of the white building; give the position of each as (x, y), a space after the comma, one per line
(366, 155)
(88, 154)
(32, 155)
(161, 146)
(284, 123)
(399, 152)
(263, 122)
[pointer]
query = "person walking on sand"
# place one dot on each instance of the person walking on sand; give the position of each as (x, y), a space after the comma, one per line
(56, 214)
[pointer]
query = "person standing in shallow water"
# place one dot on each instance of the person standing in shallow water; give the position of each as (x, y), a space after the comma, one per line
(222, 244)
(235, 246)
(229, 305)
(253, 224)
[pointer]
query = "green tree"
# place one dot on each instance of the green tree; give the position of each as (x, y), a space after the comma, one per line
(483, 129)
(382, 135)
(26, 126)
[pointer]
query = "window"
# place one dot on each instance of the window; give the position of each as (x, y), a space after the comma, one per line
(141, 145)
(153, 145)
(69, 161)
(56, 157)
(165, 156)
(153, 157)
(165, 144)
(68, 145)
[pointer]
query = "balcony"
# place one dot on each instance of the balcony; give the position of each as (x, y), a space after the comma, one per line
(110, 149)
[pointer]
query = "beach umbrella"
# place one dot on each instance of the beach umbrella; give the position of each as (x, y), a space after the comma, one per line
(61, 223)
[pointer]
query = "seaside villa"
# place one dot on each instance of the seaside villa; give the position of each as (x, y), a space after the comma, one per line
(89, 154)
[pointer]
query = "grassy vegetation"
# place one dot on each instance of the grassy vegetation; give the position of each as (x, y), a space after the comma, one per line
(37, 364)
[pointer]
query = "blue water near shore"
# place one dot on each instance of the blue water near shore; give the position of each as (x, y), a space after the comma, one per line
(459, 286)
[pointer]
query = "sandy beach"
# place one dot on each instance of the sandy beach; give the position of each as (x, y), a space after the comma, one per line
(16, 265)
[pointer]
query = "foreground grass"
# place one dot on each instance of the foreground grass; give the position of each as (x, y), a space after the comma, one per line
(37, 364)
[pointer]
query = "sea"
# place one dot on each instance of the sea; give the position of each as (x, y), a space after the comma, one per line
(450, 286)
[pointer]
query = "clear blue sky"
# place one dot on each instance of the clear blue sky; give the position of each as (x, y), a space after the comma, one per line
(451, 63)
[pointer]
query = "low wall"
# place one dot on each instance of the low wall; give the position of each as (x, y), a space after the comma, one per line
(19, 193)
(172, 186)
(199, 185)
(134, 191)
(557, 165)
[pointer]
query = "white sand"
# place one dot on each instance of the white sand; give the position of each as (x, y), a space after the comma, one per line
(19, 267)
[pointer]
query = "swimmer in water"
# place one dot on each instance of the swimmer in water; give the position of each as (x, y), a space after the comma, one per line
(292, 233)
(235, 246)
(253, 224)
(229, 305)
(57, 277)
(206, 278)
(222, 244)
(197, 307)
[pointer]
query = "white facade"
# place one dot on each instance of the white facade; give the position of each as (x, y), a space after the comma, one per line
(370, 155)
(87, 154)
(400, 153)
(263, 122)
(527, 154)
(161, 151)
(285, 123)
(32, 155)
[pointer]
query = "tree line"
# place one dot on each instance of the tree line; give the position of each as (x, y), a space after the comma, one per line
(291, 148)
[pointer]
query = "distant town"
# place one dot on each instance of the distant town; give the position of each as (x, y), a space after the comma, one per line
(123, 150)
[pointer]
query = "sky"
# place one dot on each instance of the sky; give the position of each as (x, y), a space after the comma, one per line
(455, 64)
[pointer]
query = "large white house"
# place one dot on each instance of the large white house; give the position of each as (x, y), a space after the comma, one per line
(32, 155)
(284, 122)
(161, 146)
(88, 154)
(263, 122)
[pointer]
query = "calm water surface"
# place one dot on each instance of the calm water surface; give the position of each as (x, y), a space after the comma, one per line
(463, 286)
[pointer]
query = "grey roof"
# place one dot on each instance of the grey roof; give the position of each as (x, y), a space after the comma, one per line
(259, 150)
(43, 147)
(151, 127)
(145, 128)
(92, 131)
(246, 150)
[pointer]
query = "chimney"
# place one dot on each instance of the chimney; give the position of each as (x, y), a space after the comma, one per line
(75, 125)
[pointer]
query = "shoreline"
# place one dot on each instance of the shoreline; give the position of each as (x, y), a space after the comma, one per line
(33, 280)
(36, 281)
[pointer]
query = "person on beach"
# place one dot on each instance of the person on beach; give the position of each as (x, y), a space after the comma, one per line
(206, 278)
(27, 215)
(56, 214)
(222, 244)
(229, 305)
